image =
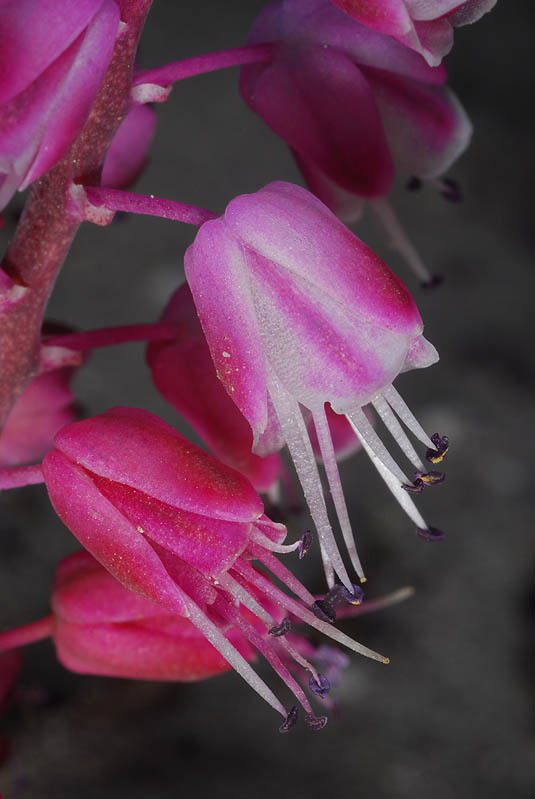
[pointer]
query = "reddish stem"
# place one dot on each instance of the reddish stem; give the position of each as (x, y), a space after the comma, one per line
(28, 634)
(109, 336)
(46, 229)
(210, 62)
(19, 476)
(117, 200)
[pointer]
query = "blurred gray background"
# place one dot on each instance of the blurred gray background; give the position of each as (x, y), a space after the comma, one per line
(448, 718)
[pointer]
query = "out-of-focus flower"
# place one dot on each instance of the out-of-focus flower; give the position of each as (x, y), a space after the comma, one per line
(298, 312)
(127, 156)
(45, 405)
(354, 105)
(423, 25)
(53, 58)
(179, 528)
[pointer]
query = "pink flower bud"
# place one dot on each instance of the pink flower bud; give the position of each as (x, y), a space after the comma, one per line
(354, 105)
(180, 529)
(298, 312)
(423, 25)
(53, 58)
(127, 156)
(45, 406)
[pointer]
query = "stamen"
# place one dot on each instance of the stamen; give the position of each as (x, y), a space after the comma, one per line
(430, 478)
(398, 404)
(295, 655)
(430, 534)
(319, 687)
(233, 616)
(450, 189)
(296, 436)
(328, 456)
(437, 453)
(290, 605)
(290, 721)
(267, 543)
(316, 722)
(399, 239)
(305, 544)
(367, 435)
(338, 596)
(429, 285)
(280, 571)
(214, 635)
(281, 629)
(413, 184)
(399, 435)
(240, 593)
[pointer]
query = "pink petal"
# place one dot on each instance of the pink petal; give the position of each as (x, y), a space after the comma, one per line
(426, 126)
(111, 538)
(225, 307)
(127, 155)
(471, 11)
(33, 34)
(134, 447)
(66, 118)
(384, 16)
(319, 102)
(430, 9)
(287, 225)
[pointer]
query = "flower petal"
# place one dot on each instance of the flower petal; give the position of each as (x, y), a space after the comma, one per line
(127, 155)
(134, 447)
(111, 538)
(219, 280)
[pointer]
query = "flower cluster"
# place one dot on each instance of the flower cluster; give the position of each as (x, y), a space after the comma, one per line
(288, 335)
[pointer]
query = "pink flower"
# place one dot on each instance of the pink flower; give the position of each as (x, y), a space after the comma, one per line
(354, 105)
(180, 529)
(127, 156)
(45, 405)
(298, 312)
(53, 58)
(423, 25)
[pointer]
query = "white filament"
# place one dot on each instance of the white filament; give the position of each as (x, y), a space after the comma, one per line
(364, 430)
(407, 417)
(272, 546)
(397, 432)
(296, 436)
(399, 239)
(231, 655)
(328, 456)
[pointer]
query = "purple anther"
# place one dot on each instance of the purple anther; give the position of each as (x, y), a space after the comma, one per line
(414, 488)
(413, 184)
(430, 478)
(442, 444)
(320, 688)
(323, 610)
(351, 598)
(316, 722)
(305, 544)
(281, 629)
(451, 190)
(290, 721)
(430, 534)
(433, 283)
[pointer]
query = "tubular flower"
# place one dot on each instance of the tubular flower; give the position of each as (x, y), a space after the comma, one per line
(354, 105)
(183, 372)
(53, 58)
(180, 529)
(298, 312)
(423, 25)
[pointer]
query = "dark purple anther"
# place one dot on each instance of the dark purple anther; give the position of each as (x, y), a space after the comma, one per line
(323, 611)
(305, 544)
(325, 608)
(290, 721)
(414, 488)
(413, 184)
(431, 534)
(451, 190)
(442, 444)
(316, 722)
(320, 689)
(430, 285)
(281, 629)
(429, 478)
(351, 598)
